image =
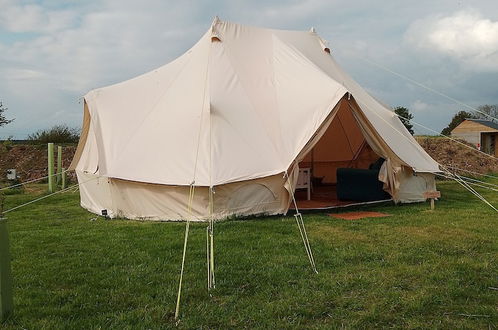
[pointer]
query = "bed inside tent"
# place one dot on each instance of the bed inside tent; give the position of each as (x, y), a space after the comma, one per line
(341, 169)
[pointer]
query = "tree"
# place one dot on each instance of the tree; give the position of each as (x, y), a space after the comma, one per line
(56, 134)
(490, 110)
(405, 116)
(456, 120)
(3, 120)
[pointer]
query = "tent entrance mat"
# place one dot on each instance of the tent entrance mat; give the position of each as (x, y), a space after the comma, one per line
(325, 198)
(358, 215)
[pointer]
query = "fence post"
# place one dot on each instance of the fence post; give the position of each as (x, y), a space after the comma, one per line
(6, 297)
(63, 182)
(51, 187)
(432, 195)
(59, 164)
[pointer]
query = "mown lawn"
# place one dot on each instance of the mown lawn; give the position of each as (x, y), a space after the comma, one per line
(415, 269)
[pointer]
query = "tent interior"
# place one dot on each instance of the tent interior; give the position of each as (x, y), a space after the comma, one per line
(341, 146)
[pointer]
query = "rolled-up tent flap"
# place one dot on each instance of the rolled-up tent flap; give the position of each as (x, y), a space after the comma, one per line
(83, 137)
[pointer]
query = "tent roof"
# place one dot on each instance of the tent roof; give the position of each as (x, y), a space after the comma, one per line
(240, 104)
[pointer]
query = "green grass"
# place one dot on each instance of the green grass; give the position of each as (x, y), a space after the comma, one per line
(415, 269)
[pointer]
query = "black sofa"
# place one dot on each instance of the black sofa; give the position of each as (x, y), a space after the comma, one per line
(361, 185)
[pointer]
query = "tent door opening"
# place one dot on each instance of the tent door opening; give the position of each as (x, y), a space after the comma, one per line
(341, 168)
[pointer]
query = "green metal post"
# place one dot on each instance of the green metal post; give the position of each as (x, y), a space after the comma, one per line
(6, 298)
(59, 164)
(51, 187)
(63, 182)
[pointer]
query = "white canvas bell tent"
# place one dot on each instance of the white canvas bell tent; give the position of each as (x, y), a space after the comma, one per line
(234, 117)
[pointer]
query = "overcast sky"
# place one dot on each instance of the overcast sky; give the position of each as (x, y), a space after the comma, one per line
(53, 52)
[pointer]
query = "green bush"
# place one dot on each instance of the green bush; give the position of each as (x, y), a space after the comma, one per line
(56, 134)
(8, 143)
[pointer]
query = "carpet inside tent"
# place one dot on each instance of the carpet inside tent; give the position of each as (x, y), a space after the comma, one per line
(324, 197)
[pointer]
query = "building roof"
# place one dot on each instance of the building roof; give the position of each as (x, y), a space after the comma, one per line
(487, 123)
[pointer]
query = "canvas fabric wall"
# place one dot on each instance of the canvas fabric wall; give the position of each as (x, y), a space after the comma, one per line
(266, 196)
(146, 201)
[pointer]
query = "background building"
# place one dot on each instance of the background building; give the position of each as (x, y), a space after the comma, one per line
(481, 133)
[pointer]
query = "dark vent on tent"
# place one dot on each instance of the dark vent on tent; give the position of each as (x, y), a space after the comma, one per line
(215, 39)
(324, 44)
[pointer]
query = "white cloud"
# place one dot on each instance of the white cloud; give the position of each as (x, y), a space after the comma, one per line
(295, 10)
(24, 74)
(465, 36)
(419, 106)
(46, 73)
(113, 43)
(16, 17)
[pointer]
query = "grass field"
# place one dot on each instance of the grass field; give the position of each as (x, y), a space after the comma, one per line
(415, 269)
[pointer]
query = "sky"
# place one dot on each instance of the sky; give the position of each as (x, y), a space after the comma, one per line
(53, 52)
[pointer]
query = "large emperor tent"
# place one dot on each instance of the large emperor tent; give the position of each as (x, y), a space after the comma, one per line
(234, 117)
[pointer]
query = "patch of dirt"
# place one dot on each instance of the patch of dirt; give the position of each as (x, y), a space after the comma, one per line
(455, 155)
(30, 161)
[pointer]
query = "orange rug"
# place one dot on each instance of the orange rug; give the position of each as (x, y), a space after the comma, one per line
(358, 215)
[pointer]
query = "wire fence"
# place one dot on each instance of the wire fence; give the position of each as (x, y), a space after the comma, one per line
(34, 180)
(47, 196)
